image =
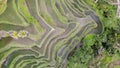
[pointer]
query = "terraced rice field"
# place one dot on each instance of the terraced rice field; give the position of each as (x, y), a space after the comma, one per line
(42, 33)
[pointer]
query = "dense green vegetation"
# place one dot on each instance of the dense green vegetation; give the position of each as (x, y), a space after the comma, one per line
(101, 50)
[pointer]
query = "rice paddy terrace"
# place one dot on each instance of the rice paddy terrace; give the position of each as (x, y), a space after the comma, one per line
(42, 33)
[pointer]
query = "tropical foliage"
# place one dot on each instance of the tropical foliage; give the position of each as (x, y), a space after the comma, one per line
(101, 50)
